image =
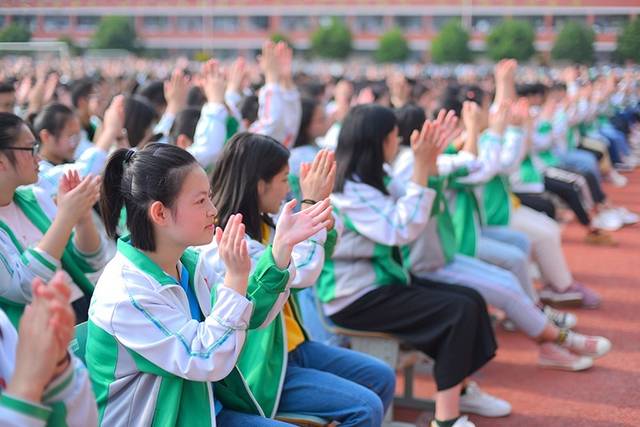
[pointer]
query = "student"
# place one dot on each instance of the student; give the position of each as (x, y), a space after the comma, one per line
(83, 102)
(365, 286)
(140, 120)
(7, 98)
(299, 375)
(163, 325)
(48, 236)
(436, 256)
(58, 130)
(40, 382)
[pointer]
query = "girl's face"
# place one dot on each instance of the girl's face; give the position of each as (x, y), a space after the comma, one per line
(193, 214)
(271, 194)
(63, 147)
(24, 170)
(390, 146)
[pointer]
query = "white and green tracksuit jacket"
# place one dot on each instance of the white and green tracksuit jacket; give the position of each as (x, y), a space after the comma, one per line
(151, 363)
(376, 225)
(67, 401)
(25, 263)
(263, 361)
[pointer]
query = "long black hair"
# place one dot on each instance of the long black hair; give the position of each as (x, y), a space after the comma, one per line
(10, 127)
(309, 106)
(246, 159)
(360, 151)
(136, 179)
(410, 117)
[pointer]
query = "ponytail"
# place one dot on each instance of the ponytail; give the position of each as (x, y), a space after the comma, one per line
(136, 179)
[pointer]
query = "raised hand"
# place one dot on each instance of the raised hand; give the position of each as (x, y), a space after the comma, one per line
(233, 250)
(112, 129)
(317, 178)
(269, 63)
(471, 117)
(294, 228)
(237, 75)
(284, 55)
(427, 145)
(499, 117)
(76, 196)
(176, 90)
(213, 82)
(447, 125)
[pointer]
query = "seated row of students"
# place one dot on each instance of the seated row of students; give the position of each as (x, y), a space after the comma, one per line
(207, 303)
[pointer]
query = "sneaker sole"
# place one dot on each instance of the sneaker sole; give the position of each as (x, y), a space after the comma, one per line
(552, 365)
(474, 411)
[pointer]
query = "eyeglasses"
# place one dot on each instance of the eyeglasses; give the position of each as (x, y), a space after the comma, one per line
(35, 148)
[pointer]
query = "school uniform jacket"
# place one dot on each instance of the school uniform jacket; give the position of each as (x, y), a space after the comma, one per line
(152, 364)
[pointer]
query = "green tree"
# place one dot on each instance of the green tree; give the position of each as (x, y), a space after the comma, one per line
(451, 44)
(15, 33)
(574, 43)
(115, 32)
(392, 47)
(629, 42)
(511, 39)
(332, 41)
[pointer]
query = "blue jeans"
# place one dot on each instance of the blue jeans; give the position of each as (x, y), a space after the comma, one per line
(337, 384)
(313, 319)
(229, 418)
(581, 161)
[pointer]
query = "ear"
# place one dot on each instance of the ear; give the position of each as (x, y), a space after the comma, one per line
(45, 136)
(183, 141)
(262, 187)
(159, 214)
(4, 163)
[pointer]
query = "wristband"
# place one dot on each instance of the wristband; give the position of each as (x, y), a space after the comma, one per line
(308, 202)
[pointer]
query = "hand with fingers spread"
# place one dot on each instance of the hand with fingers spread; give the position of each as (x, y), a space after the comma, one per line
(284, 55)
(77, 196)
(447, 123)
(235, 254)
(269, 63)
(317, 178)
(176, 90)
(427, 145)
(294, 228)
(214, 82)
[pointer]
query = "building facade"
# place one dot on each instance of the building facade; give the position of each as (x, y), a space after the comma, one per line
(233, 26)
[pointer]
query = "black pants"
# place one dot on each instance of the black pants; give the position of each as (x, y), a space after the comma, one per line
(449, 323)
(565, 185)
(539, 202)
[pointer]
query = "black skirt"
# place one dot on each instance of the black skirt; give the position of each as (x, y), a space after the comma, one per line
(449, 323)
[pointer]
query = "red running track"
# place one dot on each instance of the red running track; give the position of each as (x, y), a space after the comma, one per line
(608, 394)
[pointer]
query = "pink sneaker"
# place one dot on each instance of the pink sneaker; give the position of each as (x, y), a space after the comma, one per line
(555, 357)
(590, 299)
(587, 345)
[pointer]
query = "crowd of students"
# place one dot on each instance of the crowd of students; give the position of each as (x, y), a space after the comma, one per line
(199, 233)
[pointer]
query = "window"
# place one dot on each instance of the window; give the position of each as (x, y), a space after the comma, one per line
(27, 21)
(188, 24)
(369, 24)
(259, 23)
(226, 24)
(440, 21)
(559, 21)
(484, 24)
(155, 23)
(56, 23)
(409, 23)
(87, 22)
(294, 23)
(609, 23)
(536, 21)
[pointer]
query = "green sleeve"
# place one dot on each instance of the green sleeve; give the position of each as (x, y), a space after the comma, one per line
(266, 283)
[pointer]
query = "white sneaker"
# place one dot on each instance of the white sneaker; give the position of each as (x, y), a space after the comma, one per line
(561, 319)
(463, 421)
(627, 217)
(476, 401)
(609, 220)
(587, 345)
(616, 179)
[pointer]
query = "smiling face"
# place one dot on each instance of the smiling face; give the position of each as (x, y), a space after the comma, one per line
(23, 168)
(192, 216)
(271, 194)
